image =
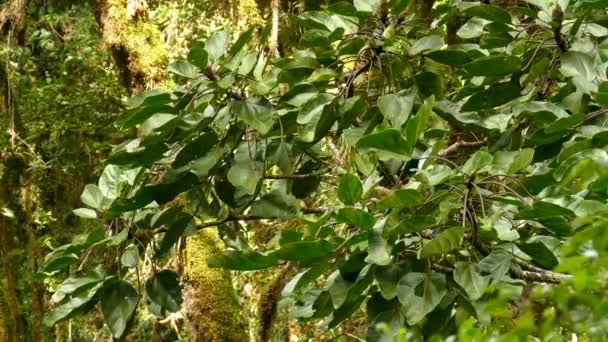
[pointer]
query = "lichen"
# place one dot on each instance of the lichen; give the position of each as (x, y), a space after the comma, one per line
(212, 309)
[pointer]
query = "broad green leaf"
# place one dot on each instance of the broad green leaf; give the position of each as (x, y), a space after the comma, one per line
(388, 279)
(493, 66)
(602, 94)
(419, 303)
(74, 306)
(163, 289)
(468, 277)
(378, 248)
(443, 243)
(543, 210)
(242, 261)
(182, 68)
(488, 12)
(130, 257)
(417, 124)
(387, 144)
(349, 189)
(77, 282)
(581, 67)
(312, 109)
(399, 199)
(153, 97)
(92, 196)
(195, 149)
(275, 204)
(496, 95)
(217, 44)
(449, 57)
(304, 250)
(367, 5)
(173, 234)
(542, 255)
(118, 303)
(430, 42)
(396, 108)
(478, 162)
(246, 174)
(496, 265)
(85, 213)
(198, 56)
(472, 28)
(255, 112)
(356, 217)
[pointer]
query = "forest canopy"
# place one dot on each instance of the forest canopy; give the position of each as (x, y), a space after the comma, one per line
(367, 170)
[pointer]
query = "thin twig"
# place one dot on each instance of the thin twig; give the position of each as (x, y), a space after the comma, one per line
(455, 146)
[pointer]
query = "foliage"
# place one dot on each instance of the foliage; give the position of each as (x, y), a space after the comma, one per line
(461, 172)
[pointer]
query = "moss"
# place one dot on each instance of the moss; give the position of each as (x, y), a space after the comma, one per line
(212, 309)
(136, 44)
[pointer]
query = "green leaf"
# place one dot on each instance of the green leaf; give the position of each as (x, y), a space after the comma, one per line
(420, 293)
(163, 289)
(543, 210)
(396, 108)
(246, 174)
(468, 277)
(488, 12)
(182, 68)
(217, 44)
(496, 265)
(378, 248)
(388, 279)
(173, 234)
(582, 68)
(449, 57)
(367, 5)
(242, 261)
(195, 149)
(496, 95)
(118, 303)
(430, 42)
(478, 161)
(255, 112)
(275, 204)
(198, 56)
(493, 66)
(602, 94)
(76, 283)
(92, 196)
(304, 250)
(130, 257)
(349, 189)
(356, 217)
(387, 144)
(540, 252)
(417, 124)
(445, 242)
(85, 213)
(74, 306)
(399, 199)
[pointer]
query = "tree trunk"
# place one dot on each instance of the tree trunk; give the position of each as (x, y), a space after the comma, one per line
(138, 51)
(213, 313)
(12, 21)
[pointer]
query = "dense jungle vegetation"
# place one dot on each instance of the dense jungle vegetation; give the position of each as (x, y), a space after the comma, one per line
(303, 170)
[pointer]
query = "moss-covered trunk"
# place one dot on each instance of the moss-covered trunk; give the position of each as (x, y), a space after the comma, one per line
(138, 50)
(212, 309)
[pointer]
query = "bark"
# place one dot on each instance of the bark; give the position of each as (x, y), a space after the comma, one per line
(213, 313)
(274, 34)
(424, 11)
(12, 21)
(138, 51)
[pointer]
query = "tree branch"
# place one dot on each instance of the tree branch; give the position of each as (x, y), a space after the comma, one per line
(455, 146)
(539, 276)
